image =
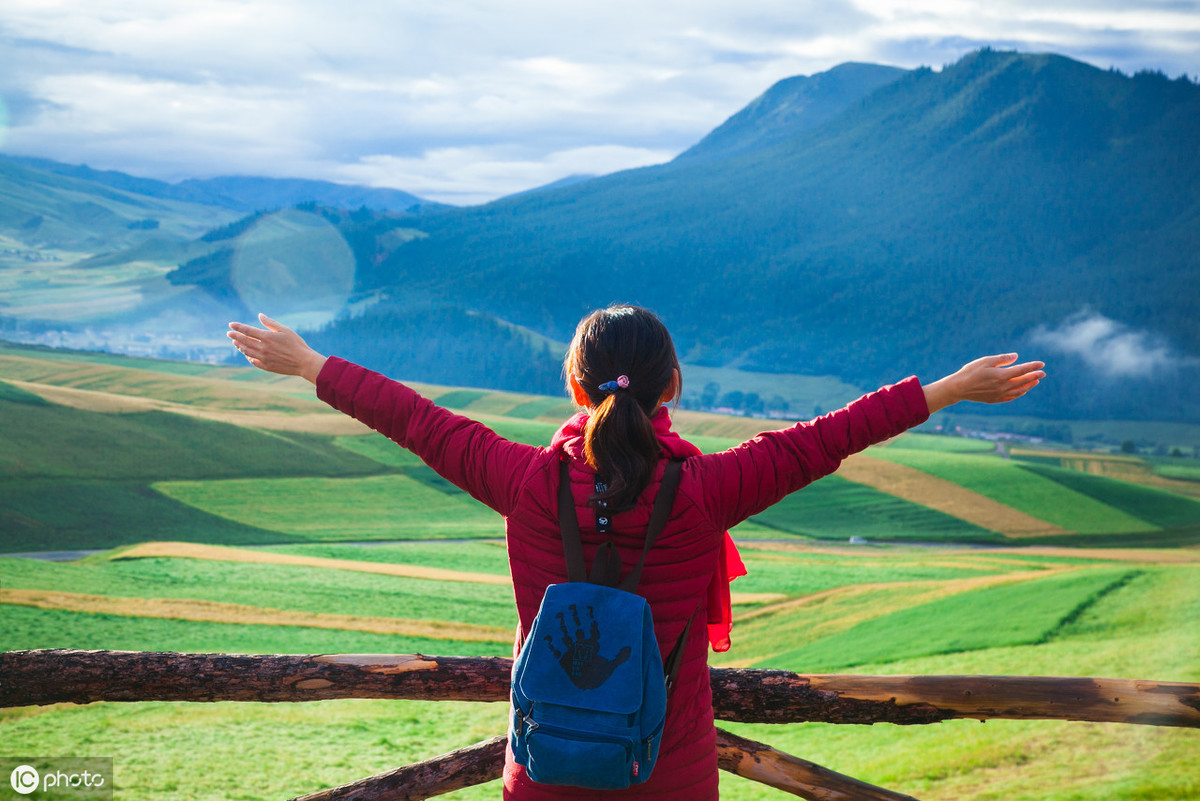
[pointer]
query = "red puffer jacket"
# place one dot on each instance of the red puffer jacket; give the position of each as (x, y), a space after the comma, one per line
(716, 492)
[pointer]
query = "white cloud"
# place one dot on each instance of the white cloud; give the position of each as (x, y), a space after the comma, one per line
(316, 88)
(442, 174)
(1111, 347)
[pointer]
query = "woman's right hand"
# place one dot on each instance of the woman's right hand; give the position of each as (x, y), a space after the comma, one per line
(276, 349)
(991, 379)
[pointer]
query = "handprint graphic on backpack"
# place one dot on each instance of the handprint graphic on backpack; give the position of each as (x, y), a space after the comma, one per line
(581, 656)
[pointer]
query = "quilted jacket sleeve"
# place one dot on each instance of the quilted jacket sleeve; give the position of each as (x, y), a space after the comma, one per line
(745, 480)
(463, 451)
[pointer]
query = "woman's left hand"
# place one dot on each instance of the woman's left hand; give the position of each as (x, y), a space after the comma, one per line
(991, 379)
(276, 349)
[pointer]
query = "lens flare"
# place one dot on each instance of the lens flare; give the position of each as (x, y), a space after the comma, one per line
(295, 266)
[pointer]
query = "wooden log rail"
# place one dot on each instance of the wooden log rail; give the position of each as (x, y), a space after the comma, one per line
(748, 696)
(751, 696)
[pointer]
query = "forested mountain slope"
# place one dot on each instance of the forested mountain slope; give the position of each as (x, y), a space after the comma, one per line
(942, 215)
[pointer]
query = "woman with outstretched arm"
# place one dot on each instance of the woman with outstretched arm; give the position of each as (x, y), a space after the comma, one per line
(622, 372)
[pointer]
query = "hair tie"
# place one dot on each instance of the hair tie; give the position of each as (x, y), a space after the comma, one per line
(622, 382)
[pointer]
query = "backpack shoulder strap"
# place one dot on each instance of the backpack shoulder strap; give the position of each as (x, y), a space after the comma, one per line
(569, 524)
(658, 518)
(572, 545)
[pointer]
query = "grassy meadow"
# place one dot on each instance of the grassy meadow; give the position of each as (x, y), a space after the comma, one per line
(334, 540)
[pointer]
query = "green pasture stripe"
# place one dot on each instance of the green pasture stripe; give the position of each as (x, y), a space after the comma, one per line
(941, 444)
(709, 444)
(60, 514)
(370, 508)
(459, 398)
(379, 448)
(1005, 481)
(1028, 458)
(56, 441)
(495, 403)
(752, 530)
(1180, 537)
(1026, 612)
(1153, 505)
(530, 432)
(29, 627)
(803, 574)
(1184, 472)
(290, 587)
(472, 557)
(534, 408)
(10, 394)
(834, 508)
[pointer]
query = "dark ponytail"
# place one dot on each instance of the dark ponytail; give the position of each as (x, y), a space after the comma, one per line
(619, 442)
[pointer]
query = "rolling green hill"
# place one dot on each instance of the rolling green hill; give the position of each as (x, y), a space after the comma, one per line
(86, 478)
(46, 209)
(230, 455)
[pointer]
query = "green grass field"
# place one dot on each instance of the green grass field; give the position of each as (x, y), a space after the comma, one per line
(834, 508)
(1010, 483)
(1142, 626)
(1023, 613)
(374, 507)
(933, 442)
(1181, 471)
(74, 479)
(473, 557)
(44, 440)
(1155, 506)
(63, 514)
(292, 587)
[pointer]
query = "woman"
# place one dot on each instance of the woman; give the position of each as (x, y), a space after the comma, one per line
(621, 369)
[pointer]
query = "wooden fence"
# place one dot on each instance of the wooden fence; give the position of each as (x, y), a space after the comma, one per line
(752, 696)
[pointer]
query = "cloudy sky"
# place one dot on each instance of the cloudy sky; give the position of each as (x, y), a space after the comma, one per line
(466, 100)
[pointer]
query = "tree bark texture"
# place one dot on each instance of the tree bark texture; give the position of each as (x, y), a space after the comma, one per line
(750, 696)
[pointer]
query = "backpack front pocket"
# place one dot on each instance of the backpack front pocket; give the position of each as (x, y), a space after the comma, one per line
(561, 756)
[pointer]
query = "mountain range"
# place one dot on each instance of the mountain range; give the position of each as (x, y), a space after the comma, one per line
(865, 223)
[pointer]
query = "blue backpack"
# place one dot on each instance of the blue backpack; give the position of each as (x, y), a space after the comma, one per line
(589, 687)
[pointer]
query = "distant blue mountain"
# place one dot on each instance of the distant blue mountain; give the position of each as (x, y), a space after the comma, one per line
(938, 216)
(249, 193)
(244, 193)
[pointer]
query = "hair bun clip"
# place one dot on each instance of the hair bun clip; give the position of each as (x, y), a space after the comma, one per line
(622, 382)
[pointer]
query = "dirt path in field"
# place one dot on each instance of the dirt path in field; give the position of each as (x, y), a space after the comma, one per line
(937, 493)
(220, 612)
(190, 550)
(225, 554)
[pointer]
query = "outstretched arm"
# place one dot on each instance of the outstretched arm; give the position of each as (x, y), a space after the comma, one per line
(745, 480)
(465, 452)
(276, 349)
(991, 379)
